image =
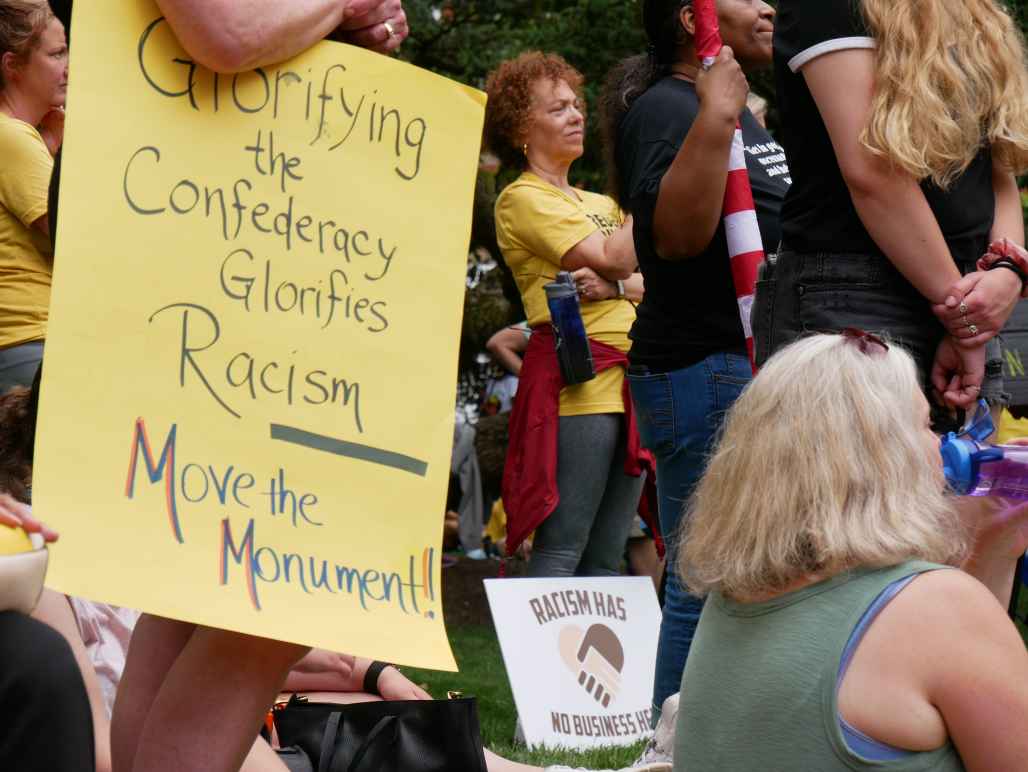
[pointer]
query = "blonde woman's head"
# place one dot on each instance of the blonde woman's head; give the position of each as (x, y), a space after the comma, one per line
(826, 462)
(949, 77)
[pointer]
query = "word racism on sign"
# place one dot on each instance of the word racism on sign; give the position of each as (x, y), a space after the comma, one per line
(247, 412)
(580, 655)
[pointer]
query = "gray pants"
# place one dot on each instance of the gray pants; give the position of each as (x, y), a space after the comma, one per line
(464, 464)
(586, 534)
(18, 364)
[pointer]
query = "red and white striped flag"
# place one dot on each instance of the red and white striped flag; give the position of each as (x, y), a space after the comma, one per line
(740, 216)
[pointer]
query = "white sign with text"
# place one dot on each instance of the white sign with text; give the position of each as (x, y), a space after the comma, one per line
(580, 654)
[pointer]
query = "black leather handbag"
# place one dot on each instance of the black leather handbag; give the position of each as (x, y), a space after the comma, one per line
(295, 759)
(388, 736)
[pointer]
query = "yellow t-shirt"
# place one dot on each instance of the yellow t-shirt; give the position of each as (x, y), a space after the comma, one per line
(26, 259)
(536, 225)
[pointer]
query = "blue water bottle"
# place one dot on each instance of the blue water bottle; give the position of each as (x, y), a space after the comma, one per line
(573, 352)
(964, 453)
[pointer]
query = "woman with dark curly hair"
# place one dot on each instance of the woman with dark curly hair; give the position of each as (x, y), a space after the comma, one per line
(669, 127)
(572, 466)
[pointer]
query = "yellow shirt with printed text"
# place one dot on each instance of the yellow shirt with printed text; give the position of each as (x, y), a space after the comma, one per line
(536, 225)
(26, 259)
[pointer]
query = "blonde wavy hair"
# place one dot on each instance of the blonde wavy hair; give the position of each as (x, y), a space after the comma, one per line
(820, 468)
(950, 75)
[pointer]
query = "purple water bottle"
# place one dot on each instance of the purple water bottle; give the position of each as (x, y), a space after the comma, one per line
(573, 351)
(975, 468)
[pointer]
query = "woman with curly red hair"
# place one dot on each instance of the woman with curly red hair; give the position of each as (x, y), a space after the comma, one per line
(573, 463)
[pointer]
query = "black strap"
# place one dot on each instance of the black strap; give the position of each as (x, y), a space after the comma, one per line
(371, 676)
(380, 727)
(1006, 262)
(328, 741)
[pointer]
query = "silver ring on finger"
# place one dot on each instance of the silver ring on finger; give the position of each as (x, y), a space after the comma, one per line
(389, 28)
(962, 308)
(973, 329)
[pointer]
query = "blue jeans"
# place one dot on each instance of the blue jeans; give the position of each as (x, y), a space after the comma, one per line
(679, 414)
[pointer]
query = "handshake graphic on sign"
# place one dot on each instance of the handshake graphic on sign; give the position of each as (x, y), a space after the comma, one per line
(597, 657)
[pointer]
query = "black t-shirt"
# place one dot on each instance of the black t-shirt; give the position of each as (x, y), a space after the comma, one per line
(689, 310)
(818, 214)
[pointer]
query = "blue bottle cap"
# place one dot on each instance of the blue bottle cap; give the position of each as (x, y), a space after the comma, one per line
(962, 456)
(957, 463)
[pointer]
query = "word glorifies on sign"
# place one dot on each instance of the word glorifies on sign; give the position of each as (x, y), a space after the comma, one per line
(258, 295)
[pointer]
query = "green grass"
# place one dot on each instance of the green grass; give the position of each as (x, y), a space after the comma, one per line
(482, 675)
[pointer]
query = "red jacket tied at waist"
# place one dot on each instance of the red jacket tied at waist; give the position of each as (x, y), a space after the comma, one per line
(530, 473)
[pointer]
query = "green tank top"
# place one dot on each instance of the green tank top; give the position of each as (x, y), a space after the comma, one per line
(759, 688)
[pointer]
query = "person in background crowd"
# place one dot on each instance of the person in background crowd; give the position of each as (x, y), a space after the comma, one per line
(904, 123)
(837, 635)
(507, 347)
(642, 556)
(669, 128)
(579, 492)
(33, 87)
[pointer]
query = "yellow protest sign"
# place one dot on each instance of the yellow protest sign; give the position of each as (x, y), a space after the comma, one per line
(247, 409)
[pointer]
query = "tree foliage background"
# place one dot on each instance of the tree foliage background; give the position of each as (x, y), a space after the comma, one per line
(465, 39)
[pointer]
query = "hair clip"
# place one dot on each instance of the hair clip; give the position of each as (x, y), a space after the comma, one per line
(863, 339)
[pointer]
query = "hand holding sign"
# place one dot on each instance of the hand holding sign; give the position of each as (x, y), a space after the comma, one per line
(378, 25)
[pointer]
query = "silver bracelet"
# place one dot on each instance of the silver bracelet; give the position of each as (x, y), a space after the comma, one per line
(621, 288)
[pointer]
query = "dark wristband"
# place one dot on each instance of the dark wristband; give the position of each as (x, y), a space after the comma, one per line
(371, 676)
(1004, 262)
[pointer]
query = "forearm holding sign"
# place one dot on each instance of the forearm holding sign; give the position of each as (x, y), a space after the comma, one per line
(238, 35)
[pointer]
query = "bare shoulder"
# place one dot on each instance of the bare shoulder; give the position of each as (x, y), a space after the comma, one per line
(974, 666)
(950, 600)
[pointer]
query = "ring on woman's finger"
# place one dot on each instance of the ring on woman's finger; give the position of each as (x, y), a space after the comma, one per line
(389, 28)
(973, 329)
(962, 308)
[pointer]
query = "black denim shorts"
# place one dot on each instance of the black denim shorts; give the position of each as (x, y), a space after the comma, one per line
(799, 294)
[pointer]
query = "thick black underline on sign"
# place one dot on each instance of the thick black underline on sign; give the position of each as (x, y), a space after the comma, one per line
(349, 449)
